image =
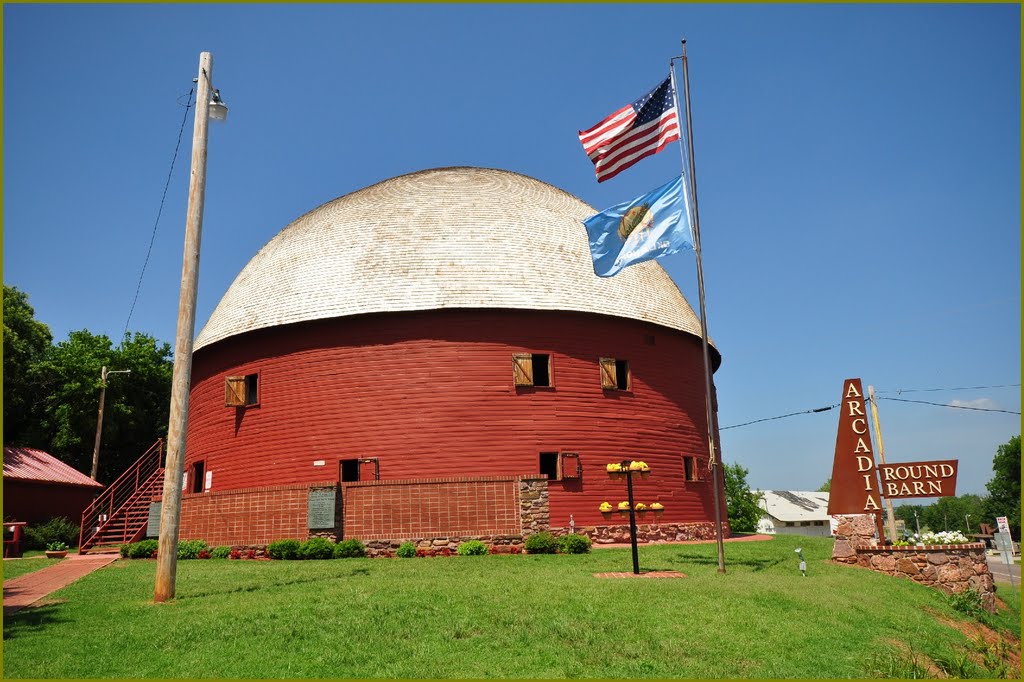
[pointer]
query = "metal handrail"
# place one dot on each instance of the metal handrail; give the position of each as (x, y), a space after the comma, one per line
(120, 492)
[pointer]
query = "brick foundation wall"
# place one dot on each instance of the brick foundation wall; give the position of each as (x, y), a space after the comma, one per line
(442, 508)
(248, 516)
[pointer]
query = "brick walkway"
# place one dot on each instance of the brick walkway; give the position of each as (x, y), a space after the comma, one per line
(29, 588)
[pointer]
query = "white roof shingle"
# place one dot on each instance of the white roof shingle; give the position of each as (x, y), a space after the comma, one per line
(440, 238)
(796, 505)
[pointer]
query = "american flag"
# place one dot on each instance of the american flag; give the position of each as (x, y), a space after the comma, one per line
(634, 132)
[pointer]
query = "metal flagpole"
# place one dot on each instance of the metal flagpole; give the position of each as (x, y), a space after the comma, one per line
(712, 420)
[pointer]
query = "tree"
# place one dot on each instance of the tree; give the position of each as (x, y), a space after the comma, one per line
(826, 487)
(741, 502)
(26, 341)
(951, 513)
(1004, 488)
(137, 404)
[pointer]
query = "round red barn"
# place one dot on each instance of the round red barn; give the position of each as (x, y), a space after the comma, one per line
(438, 347)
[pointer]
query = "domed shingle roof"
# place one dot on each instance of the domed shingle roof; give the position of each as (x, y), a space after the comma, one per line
(441, 238)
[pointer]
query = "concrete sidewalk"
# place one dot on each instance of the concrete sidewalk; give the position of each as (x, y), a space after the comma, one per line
(29, 588)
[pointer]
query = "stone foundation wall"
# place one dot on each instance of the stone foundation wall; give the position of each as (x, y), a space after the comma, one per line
(952, 568)
(647, 532)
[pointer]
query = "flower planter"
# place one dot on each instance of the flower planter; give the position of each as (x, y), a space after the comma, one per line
(56, 555)
(616, 475)
(608, 514)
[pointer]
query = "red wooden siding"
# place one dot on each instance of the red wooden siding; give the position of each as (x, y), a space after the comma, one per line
(431, 395)
(37, 503)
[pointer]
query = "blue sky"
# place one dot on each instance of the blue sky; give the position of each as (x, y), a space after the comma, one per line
(858, 175)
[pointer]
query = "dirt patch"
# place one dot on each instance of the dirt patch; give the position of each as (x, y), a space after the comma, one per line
(934, 671)
(1004, 645)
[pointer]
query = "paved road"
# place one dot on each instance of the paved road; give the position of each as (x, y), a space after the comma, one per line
(1004, 573)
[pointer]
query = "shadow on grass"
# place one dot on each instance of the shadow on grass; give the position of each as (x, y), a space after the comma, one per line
(241, 589)
(754, 564)
(31, 619)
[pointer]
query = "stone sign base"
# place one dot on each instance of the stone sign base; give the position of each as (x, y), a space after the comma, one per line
(951, 568)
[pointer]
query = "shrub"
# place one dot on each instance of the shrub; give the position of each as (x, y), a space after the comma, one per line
(205, 554)
(349, 549)
(235, 554)
(284, 549)
(221, 552)
(541, 543)
(190, 549)
(58, 529)
(316, 548)
(574, 544)
(139, 550)
(57, 547)
(407, 550)
(472, 548)
(967, 602)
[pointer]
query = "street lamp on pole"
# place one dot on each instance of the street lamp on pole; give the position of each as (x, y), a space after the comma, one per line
(99, 418)
(208, 106)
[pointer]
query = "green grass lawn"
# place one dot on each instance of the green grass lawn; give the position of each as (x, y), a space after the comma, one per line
(12, 568)
(492, 616)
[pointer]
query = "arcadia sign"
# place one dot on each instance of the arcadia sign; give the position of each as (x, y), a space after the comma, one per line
(855, 482)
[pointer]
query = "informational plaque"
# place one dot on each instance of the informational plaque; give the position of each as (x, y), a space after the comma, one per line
(1003, 523)
(153, 525)
(320, 511)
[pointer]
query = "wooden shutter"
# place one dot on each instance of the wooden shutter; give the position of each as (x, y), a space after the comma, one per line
(234, 392)
(569, 466)
(700, 470)
(369, 469)
(522, 369)
(608, 373)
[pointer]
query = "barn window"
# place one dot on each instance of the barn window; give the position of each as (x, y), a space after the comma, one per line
(349, 469)
(198, 477)
(531, 369)
(549, 465)
(690, 468)
(242, 391)
(614, 374)
(559, 466)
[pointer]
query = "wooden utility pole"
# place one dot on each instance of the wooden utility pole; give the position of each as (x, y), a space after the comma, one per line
(99, 418)
(170, 515)
(881, 458)
(99, 424)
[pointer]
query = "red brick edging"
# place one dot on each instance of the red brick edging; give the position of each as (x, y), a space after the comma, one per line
(644, 574)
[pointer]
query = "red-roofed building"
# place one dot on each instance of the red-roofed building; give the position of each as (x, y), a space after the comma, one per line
(38, 487)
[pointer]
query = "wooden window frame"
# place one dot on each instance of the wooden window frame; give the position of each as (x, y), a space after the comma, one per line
(523, 374)
(570, 468)
(694, 474)
(197, 480)
(236, 390)
(610, 374)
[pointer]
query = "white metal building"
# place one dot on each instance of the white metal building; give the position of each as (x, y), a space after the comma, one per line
(795, 512)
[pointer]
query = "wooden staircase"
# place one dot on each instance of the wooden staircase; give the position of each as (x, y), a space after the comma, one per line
(120, 514)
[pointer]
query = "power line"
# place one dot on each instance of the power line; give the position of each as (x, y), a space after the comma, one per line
(781, 416)
(159, 212)
(957, 388)
(957, 407)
